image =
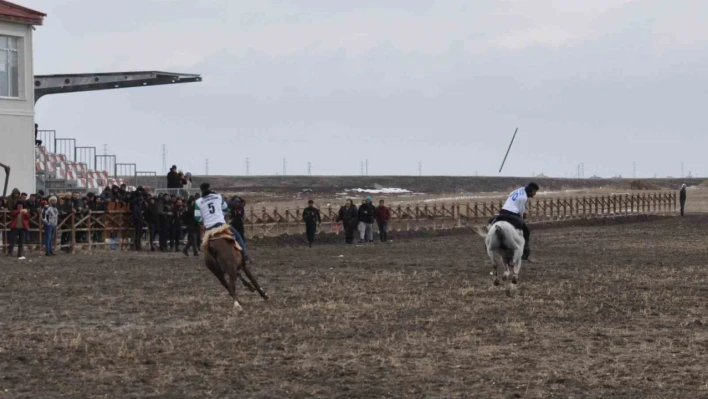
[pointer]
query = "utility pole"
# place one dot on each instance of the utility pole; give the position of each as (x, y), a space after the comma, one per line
(206, 167)
(420, 169)
(164, 158)
(634, 168)
(361, 167)
(309, 168)
(582, 170)
(105, 149)
(248, 166)
(367, 167)
(682, 170)
(285, 166)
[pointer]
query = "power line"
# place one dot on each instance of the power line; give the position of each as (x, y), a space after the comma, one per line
(164, 159)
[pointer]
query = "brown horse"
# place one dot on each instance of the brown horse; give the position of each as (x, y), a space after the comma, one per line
(223, 257)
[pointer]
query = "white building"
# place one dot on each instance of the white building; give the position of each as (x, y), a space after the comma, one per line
(17, 146)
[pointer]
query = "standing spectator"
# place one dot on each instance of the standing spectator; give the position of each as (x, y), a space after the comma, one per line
(66, 211)
(50, 218)
(36, 130)
(382, 216)
(238, 212)
(173, 179)
(152, 216)
(19, 225)
(187, 181)
(366, 221)
(349, 216)
(192, 226)
(81, 211)
(14, 197)
(682, 198)
(311, 217)
(165, 217)
(137, 206)
(176, 226)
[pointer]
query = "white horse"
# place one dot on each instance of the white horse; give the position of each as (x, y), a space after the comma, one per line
(506, 241)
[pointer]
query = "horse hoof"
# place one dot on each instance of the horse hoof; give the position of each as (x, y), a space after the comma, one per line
(504, 277)
(237, 306)
(497, 282)
(514, 280)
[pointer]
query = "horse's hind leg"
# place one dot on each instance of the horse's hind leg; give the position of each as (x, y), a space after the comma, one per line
(246, 283)
(494, 265)
(253, 280)
(230, 285)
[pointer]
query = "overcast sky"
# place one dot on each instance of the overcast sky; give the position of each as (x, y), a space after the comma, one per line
(604, 82)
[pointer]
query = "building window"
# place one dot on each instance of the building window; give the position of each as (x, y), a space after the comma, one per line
(9, 67)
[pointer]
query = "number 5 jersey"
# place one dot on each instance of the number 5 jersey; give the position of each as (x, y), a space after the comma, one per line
(210, 210)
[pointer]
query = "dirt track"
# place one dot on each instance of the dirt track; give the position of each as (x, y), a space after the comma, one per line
(612, 311)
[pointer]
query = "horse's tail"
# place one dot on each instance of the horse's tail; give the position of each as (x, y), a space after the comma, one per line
(482, 231)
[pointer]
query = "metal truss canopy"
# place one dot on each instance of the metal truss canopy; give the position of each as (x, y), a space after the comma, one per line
(74, 83)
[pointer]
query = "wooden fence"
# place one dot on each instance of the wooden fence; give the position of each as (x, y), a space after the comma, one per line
(113, 228)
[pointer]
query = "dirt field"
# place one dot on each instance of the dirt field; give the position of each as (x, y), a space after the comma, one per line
(611, 311)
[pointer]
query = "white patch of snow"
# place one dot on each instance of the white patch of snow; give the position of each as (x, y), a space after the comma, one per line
(380, 191)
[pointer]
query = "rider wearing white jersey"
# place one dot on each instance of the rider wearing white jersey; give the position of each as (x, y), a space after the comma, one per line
(514, 210)
(210, 209)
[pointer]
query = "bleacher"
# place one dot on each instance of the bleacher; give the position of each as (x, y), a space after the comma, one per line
(56, 174)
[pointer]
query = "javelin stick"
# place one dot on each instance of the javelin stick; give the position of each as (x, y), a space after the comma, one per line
(508, 149)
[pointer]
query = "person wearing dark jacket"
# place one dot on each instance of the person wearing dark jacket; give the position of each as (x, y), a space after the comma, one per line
(164, 212)
(192, 227)
(238, 213)
(12, 200)
(176, 227)
(682, 198)
(137, 206)
(349, 216)
(173, 179)
(66, 210)
(382, 215)
(19, 225)
(311, 217)
(152, 217)
(366, 221)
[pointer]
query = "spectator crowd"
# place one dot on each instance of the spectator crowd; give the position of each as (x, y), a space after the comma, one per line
(164, 221)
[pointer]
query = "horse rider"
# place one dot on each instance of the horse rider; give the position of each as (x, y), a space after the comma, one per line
(209, 210)
(513, 212)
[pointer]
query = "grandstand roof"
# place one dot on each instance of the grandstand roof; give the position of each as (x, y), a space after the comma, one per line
(16, 13)
(72, 83)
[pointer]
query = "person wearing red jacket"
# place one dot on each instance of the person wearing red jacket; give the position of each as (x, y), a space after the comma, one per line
(382, 215)
(19, 226)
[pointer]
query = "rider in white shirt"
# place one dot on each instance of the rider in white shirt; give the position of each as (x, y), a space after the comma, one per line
(514, 210)
(210, 209)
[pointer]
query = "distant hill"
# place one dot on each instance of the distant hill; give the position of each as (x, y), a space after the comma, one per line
(426, 184)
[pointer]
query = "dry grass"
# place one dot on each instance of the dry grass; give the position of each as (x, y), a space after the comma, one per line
(616, 311)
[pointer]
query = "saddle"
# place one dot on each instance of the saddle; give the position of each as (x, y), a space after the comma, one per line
(219, 233)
